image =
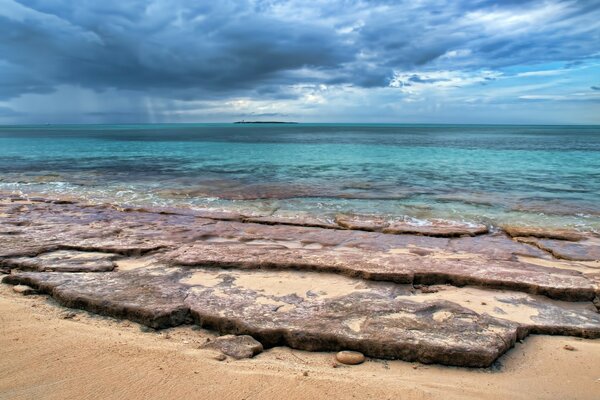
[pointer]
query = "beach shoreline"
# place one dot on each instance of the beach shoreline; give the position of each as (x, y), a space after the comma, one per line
(473, 299)
(48, 353)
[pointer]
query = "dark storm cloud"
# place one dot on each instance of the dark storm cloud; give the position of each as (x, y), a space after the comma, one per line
(183, 50)
(222, 48)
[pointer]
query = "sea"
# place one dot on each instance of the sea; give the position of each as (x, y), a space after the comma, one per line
(545, 176)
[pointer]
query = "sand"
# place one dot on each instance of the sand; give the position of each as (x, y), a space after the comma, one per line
(44, 355)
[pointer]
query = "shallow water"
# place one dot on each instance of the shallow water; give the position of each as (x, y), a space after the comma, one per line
(536, 175)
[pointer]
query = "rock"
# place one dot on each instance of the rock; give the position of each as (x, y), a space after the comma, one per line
(383, 320)
(437, 228)
(307, 287)
(24, 290)
(350, 357)
(564, 284)
(361, 222)
(584, 250)
(568, 347)
(220, 357)
(305, 221)
(238, 347)
(64, 261)
(542, 233)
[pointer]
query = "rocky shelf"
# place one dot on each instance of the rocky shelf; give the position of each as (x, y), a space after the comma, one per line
(455, 299)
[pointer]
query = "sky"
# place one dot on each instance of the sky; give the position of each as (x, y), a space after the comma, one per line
(418, 61)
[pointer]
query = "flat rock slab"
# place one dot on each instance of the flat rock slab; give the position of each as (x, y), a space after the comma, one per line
(305, 221)
(150, 300)
(320, 311)
(364, 223)
(401, 266)
(238, 347)
(47, 226)
(437, 228)
(584, 250)
(306, 287)
(543, 233)
(64, 261)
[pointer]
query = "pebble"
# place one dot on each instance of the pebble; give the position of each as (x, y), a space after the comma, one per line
(350, 357)
(220, 357)
(568, 347)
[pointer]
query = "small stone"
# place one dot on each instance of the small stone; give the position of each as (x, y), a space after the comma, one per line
(305, 373)
(147, 329)
(220, 357)
(24, 290)
(242, 346)
(483, 303)
(568, 347)
(69, 315)
(350, 357)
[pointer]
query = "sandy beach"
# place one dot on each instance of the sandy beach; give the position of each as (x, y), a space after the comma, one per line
(44, 355)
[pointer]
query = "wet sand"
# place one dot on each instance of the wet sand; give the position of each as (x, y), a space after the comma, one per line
(45, 355)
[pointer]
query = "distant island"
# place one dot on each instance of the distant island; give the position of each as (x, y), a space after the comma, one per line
(264, 122)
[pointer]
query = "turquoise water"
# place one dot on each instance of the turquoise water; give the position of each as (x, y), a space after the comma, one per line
(537, 175)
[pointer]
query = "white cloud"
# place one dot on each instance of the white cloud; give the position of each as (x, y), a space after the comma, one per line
(418, 81)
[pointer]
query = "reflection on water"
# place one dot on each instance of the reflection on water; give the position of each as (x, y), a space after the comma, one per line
(493, 174)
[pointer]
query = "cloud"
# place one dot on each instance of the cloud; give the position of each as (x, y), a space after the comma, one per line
(172, 52)
(413, 82)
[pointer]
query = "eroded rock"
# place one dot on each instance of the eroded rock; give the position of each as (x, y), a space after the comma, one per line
(543, 233)
(364, 223)
(273, 280)
(64, 261)
(436, 228)
(584, 250)
(395, 266)
(306, 221)
(150, 300)
(320, 312)
(236, 346)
